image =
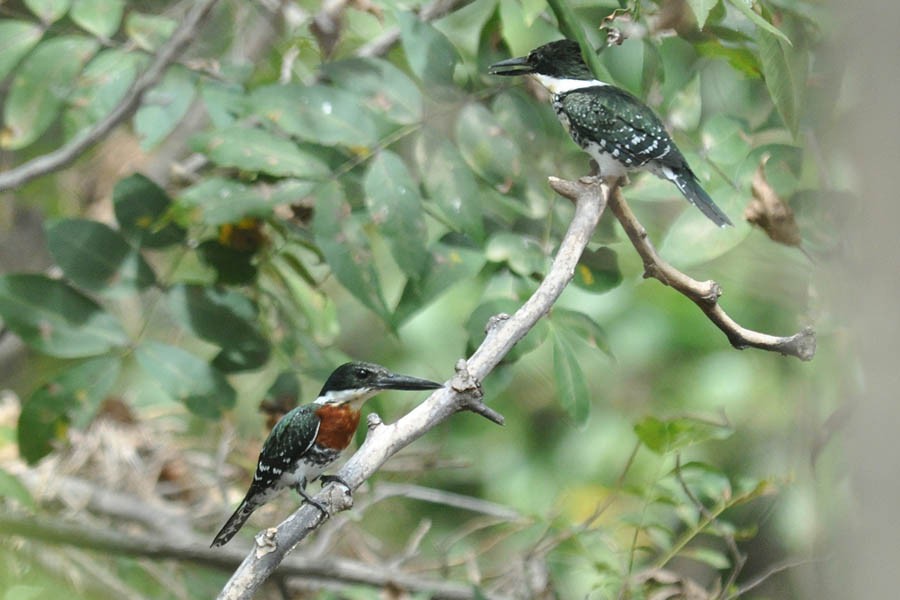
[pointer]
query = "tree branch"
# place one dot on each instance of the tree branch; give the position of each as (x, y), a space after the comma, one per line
(705, 294)
(67, 154)
(462, 392)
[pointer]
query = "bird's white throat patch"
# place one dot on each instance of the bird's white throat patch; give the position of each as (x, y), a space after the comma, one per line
(354, 397)
(557, 85)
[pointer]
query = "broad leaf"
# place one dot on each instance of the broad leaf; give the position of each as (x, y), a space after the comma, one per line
(522, 253)
(48, 11)
(54, 318)
(100, 87)
(221, 201)
(598, 270)
(382, 87)
(141, 208)
(12, 488)
(701, 10)
(783, 84)
(232, 266)
(582, 326)
(395, 206)
(187, 378)
(203, 310)
(745, 7)
(486, 147)
(95, 257)
(149, 32)
(100, 17)
(570, 383)
(481, 316)
(429, 54)
(251, 149)
(40, 87)
(76, 392)
(164, 106)
(664, 436)
(321, 114)
(16, 39)
(339, 236)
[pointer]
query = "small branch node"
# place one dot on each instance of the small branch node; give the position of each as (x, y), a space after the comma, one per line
(373, 421)
(266, 542)
(493, 324)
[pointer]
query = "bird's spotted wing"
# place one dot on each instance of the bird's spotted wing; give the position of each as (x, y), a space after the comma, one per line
(290, 439)
(621, 125)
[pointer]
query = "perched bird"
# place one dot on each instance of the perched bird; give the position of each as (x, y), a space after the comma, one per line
(616, 129)
(311, 437)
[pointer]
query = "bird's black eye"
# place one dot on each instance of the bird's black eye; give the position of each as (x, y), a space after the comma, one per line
(363, 373)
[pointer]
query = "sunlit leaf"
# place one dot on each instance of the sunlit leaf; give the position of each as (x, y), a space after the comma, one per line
(219, 200)
(100, 17)
(101, 86)
(252, 149)
(701, 10)
(522, 253)
(381, 87)
(12, 488)
(570, 383)
(321, 114)
(140, 207)
(97, 258)
(429, 54)
(16, 39)
(54, 318)
(164, 106)
(49, 410)
(670, 435)
(745, 8)
(149, 32)
(395, 206)
(187, 378)
(202, 310)
(40, 87)
(48, 11)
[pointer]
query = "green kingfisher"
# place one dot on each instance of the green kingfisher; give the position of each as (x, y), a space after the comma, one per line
(616, 129)
(311, 437)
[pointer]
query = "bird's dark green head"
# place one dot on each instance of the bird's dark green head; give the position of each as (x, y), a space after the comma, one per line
(560, 60)
(358, 381)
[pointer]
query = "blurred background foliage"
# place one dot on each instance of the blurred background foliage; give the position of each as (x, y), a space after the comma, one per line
(312, 183)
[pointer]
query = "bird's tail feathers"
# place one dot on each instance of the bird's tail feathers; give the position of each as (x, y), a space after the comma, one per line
(692, 190)
(235, 522)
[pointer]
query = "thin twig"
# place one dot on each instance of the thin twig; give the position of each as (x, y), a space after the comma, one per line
(705, 294)
(67, 154)
(463, 392)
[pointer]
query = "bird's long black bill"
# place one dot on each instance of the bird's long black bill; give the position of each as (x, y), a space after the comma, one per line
(511, 66)
(404, 382)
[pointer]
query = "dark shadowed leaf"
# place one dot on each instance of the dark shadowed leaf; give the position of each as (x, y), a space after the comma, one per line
(74, 394)
(187, 378)
(486, 147)
(429, 54)
(570, 384)
(100, 17)
(670, 435)
(382, 87)
(395, 206)
(16, 39)
(448, 264)
(598, 270)
(233, 266)
(40, 87)
(164, 106)
(141, 207)
(321, 114)
(96, 257)
(203, 311)
(339, 235)
(252, 149)
(54, 318)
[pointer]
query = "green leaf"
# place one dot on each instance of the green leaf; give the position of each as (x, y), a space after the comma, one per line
(598, 270)
(40, 87)
(225, 102)
(232, 266)
(164, 106)
(251, 149)
(520, 30)
(380, 86)
(583, 326)
(100, 17)
(54, 318)
(100, 87)
(187, 378)
(429, 54)
(340, 237)
(75, 393)
(283, 394)
(11, 487)
(48, 11)
(141, 207)
(95, 257)
(25, 592)
(570, 383)
(781, 81)
(448, 264)
(16, 39)
(745, 7)
(395, 206)
(202, 311)
(664, 436)
(486, 147)
(725, 140)
(522, 253)
(450, 184)
(223, 201)
(701, 10)
(149, 32)
(714, 558)
(480, 317)
(321, 114)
